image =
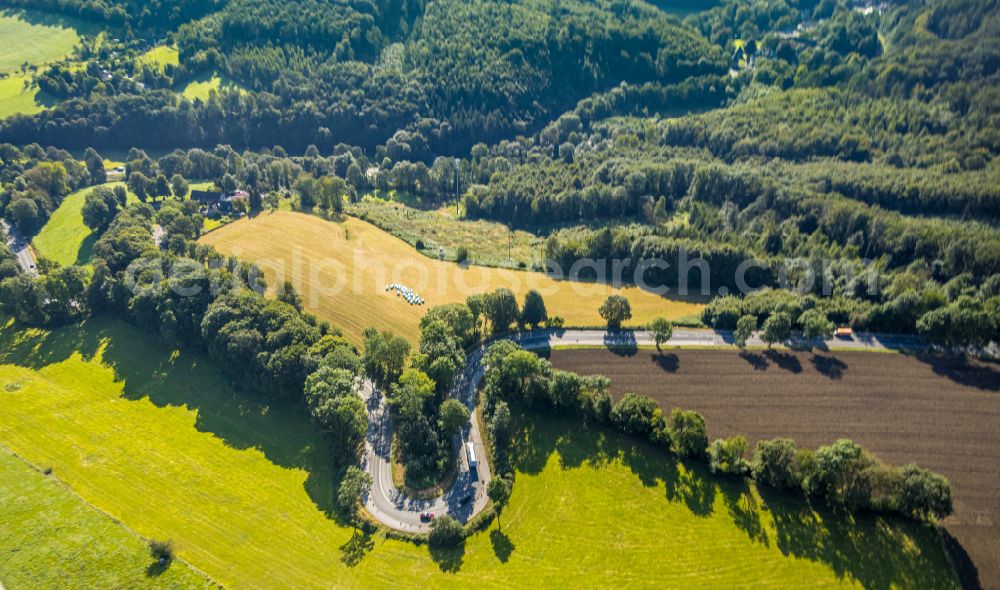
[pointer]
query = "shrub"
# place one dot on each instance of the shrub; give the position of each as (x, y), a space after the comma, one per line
(839, 469)
(634, 414)
(806, 471)
(924, 493)
(161, 550)
(596, 400)
(729, 455)
(774, 463)
(446, 532)
(688, 436)
(462, 254)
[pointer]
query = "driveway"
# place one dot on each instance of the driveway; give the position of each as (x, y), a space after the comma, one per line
(392, 507)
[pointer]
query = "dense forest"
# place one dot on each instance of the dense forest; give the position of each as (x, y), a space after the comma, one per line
(860, 139)
(329, 72)
(142, 14)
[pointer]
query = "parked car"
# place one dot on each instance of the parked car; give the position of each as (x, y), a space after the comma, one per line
(426, 516)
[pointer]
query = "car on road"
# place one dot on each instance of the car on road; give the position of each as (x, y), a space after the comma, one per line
(426, 516)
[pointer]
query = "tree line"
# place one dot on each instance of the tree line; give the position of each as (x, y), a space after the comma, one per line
(34, 181)
(305, 61)
(842, 473)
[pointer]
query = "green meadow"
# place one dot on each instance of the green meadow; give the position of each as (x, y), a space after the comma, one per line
(158, 439)
(35, 38)
(202, 86)
(161, 56)
(53, 539)
(65, 238)
(16, 98)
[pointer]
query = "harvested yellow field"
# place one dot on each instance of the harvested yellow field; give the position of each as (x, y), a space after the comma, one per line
(341, 271)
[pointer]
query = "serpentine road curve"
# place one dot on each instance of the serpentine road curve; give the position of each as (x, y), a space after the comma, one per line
(467, 496)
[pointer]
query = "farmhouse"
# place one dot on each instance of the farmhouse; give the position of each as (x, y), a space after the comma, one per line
(207, 198)
(217, 203)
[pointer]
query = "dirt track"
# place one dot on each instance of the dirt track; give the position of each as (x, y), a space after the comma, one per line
(943, 414)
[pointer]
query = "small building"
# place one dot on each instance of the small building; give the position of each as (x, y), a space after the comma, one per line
(844, 332)
(206, 198)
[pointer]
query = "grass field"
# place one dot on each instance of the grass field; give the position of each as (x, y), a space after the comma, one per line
(65, 238)
(939, 412)
(15, 98)
(203, 85)
(52, 539)
(341, 270)
(488, 243)
(158, 440)
(36, 38)
(161, 56)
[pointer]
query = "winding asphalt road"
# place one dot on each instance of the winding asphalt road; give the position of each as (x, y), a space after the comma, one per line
(19, 246)
(467, 496)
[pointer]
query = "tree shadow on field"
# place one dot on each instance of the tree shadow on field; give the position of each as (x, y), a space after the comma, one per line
(577, 444)
(157, 568)
(744, 509)
(448, 559)
(879, 552)
(502, 545)
(35, 349)
(784, 360)
(356, 548)
(828, 366)
(968, 573)
(757, 361)
(147, 368)
(667, 362)
(86, 252)
(963, 370)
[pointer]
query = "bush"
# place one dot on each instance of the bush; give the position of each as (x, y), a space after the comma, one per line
(774, 463)
(729, 455)
(161, 550)
(597, 405)
(634, 414)
(688, 436)
(446, 532)
(462, 254)
(924, 493)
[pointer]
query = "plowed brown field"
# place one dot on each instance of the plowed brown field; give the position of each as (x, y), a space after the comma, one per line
(943, 414)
